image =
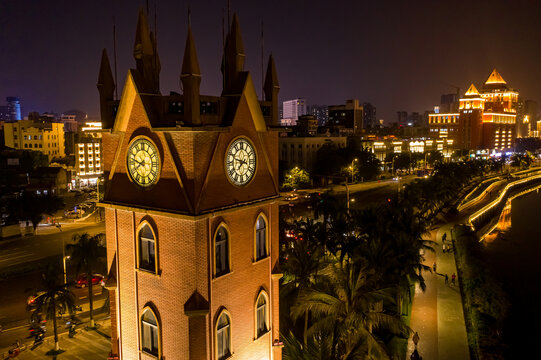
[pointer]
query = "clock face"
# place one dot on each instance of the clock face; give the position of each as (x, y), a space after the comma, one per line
(240, 162)
(143, 162)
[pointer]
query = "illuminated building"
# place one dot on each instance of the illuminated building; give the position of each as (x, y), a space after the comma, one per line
(191, 205)
(292, 109)
(14, 108)
(88, 155)
(45, 137)
(486, 119)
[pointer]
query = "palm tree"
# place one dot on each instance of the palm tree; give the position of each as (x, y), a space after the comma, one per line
(345, 310)
(88, 253)
(57, 298)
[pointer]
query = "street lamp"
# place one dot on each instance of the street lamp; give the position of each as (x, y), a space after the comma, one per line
(351, 169)
(64, 257)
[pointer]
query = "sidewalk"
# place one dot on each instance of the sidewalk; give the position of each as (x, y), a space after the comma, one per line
(437, 315)
(86, 344)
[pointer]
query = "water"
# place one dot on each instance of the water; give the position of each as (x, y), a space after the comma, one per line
(514, 258)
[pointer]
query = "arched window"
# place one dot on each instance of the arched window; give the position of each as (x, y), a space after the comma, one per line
(223, 336)
(147, 248)
(261, 311)
(221, 248)
(149, 332)
(260, 238)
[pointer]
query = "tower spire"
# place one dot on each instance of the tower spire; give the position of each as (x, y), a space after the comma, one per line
(271, 88)
(146, 55)
(106, 89)
(234, 55)
(190, 77)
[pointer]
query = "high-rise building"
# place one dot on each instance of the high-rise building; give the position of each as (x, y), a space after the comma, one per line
(370, 119)
(292, 109)
(348, 116)
(486, 119)
(45, 137)
(14, 108)
(320, 112)
(88, 163)
(526, 117)
(402, 118)
(191, 205)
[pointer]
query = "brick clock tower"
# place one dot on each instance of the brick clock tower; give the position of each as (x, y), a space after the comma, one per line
(191, 204)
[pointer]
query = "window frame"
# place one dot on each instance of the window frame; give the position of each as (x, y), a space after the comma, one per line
(138, 247)
(257, 333)
(158, 331)
(267, 250)
(228, 248)
(220, 314)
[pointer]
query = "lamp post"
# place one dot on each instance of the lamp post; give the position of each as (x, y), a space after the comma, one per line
(64, 257)
(351, 169)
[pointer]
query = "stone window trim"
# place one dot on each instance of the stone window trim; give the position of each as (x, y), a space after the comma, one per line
(257, 233)
(228, 268)
(220, 332)
(139, 267)
(261, 309)
(144, 324)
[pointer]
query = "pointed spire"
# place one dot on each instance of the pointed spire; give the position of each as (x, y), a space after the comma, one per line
(146, 55)
(190, 77)
(472, 90)
(271, 88)
(190, 63)
(495, 78)
(233, 61)
(106, 89)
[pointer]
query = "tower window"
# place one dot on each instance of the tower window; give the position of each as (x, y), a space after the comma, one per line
(261, 314)
(149, 333)
(223, 337)
(260, 238)
(147, 248)
(221, 248)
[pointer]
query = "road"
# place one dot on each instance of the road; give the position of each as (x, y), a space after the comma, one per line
(48, 242)
(361, 195)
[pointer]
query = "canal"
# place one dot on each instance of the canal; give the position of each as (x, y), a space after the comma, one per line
(514, 255)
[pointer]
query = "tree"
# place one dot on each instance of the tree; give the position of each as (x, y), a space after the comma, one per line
(87, 253)
(345, 312)
(57, 298)
(32, 207)
(296, 178)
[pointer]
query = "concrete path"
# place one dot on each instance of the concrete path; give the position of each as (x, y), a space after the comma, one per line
(437, 314)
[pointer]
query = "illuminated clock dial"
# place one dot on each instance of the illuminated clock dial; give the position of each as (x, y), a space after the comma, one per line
(143, 161)
(240, 162)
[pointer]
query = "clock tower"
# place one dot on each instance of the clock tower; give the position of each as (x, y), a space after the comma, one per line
(191, 203)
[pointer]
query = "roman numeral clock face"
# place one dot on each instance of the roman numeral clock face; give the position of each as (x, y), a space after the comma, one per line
(143, 162)
(240, 162)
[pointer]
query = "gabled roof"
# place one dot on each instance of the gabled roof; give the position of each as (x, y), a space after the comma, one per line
(495, 78)
(472, 90)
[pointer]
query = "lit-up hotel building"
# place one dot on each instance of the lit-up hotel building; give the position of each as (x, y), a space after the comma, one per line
(486, 119)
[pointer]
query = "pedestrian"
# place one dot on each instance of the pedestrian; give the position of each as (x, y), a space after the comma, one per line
(415, 355)
(444, 237)
(453, 277)
(415, 339)
(446, 279)
(444, 248)
(434, 267)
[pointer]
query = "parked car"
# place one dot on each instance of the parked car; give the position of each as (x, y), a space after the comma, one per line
(96, 279)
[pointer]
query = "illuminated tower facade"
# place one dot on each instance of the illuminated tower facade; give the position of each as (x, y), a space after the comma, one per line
(486, 118)
(191, 199)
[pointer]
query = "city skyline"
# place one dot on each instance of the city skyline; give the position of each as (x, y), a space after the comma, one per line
(407, 56)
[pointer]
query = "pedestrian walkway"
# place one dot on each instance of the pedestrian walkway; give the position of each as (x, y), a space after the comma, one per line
(86, 344)
(437, 314)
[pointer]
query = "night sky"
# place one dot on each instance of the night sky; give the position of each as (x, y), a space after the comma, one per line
(399, 55)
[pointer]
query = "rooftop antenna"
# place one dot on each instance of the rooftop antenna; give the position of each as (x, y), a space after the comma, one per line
(114, 55)
(223, 49)
(262, 61)
(147, 8)
(189, 16)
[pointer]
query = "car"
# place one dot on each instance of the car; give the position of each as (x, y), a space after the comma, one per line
(96, 279)
(31, 301)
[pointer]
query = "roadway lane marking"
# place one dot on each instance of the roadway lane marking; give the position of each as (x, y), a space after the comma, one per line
(15, 328)
(15, 257)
